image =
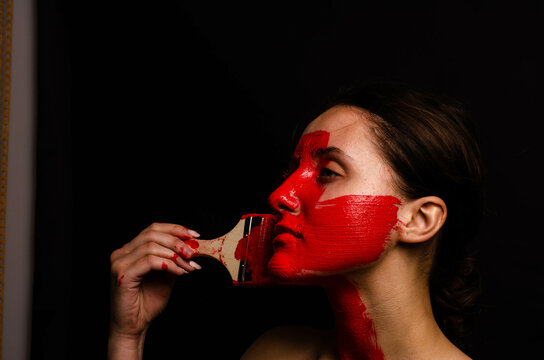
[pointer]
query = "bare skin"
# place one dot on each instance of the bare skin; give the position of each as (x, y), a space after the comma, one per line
(394, 288)
(143, 274)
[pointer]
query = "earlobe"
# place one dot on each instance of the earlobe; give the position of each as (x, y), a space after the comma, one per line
(421, 219)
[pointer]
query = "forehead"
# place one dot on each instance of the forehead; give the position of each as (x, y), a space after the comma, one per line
(349, 127)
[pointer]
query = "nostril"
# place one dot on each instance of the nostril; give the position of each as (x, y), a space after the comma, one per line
(287, 203)
(283, 208)
(283, 203)
(284, 199)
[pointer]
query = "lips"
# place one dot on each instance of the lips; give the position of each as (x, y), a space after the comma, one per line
(284, 241)
(286, 236)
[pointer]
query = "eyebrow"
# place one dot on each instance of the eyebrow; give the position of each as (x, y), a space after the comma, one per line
(335, 154)
(331, 150)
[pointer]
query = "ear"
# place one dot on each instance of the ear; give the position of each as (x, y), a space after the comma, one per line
(421, 219)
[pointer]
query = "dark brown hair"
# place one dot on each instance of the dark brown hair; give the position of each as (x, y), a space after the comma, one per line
(430, 143)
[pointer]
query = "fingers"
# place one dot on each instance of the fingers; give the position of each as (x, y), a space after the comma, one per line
(167, 235)
(144, 265)
(158, 247)
(173, 229)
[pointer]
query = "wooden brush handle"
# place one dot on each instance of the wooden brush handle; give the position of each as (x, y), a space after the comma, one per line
(222, 248)
(244, 251)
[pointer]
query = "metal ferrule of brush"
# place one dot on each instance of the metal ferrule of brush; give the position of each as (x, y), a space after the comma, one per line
(244, 273)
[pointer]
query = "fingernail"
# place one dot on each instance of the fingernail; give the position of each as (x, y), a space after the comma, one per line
(187, 252)
(193, 233)
(195, 265)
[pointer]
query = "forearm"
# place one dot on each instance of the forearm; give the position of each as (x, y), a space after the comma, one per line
(122, 347)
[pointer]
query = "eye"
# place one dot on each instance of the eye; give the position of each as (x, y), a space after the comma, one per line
(327, 175)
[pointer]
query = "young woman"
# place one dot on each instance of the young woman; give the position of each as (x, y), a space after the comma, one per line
(383, 196)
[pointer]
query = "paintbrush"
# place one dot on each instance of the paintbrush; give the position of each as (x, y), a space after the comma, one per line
(244, 251)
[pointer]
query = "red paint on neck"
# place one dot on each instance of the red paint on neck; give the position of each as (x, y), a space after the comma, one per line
(355, 332)
(331, 237)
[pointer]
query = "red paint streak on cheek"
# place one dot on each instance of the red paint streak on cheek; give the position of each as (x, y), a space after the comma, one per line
(120, 280)
(335, 234)
(347, 231)
(356, 336)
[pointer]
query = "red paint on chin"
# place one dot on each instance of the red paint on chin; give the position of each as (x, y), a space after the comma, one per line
(331, 235)
(336, 235)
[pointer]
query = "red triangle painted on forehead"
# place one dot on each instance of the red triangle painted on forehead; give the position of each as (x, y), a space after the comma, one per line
(310, 143)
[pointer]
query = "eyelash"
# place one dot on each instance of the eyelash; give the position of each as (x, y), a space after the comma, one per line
(326, 174)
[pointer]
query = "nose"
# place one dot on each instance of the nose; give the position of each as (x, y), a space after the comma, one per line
(284, 198)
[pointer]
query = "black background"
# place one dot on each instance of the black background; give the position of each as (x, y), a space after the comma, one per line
(184, 112)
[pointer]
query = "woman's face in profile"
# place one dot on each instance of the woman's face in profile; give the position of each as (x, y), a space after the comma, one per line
(338, 205)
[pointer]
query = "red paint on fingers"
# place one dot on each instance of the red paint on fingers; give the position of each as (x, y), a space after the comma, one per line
(121, 280)
(192, 243)
(164, 266)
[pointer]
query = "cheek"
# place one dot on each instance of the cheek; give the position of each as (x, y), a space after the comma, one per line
(348, 231)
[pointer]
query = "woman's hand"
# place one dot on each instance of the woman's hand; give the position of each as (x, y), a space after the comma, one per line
(143, 274)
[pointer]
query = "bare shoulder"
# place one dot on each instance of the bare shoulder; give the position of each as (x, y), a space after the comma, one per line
(292, 343)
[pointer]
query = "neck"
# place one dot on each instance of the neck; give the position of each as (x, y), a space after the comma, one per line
(355, 330)
(383, 312)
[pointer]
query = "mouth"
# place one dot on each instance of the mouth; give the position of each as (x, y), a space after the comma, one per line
(286, 237)
(284, 241)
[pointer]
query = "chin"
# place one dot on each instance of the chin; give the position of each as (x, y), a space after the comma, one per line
(282, 266)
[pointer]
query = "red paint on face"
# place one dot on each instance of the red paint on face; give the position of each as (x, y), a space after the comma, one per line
(330, 237)
(325, 236)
